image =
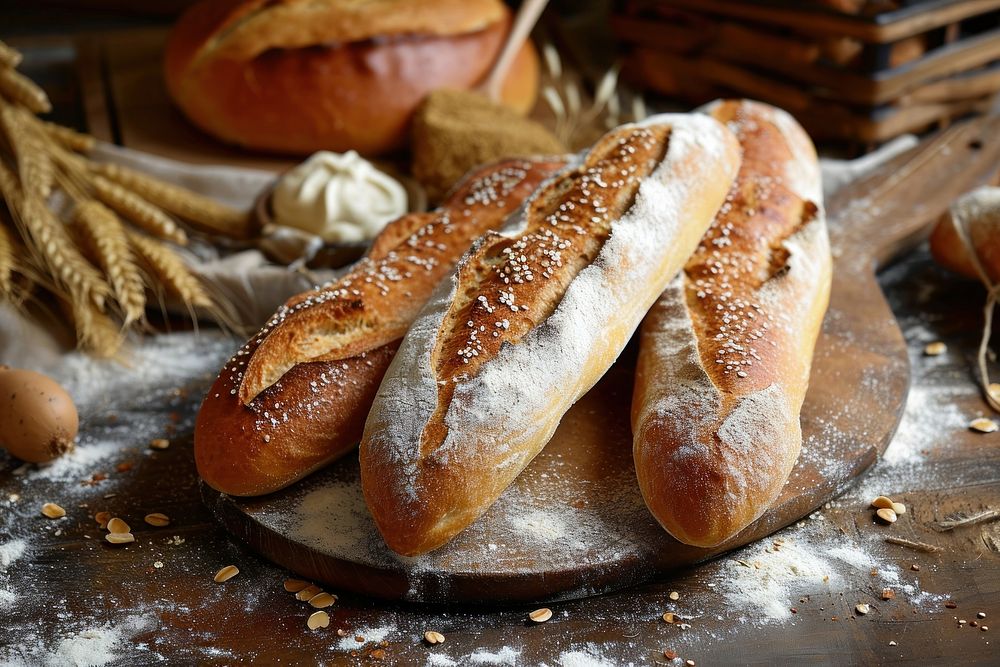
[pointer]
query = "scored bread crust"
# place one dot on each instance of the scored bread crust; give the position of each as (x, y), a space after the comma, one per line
(304, 75)
(725, 352)
(295, 397)
(978, 213)
(533, 318)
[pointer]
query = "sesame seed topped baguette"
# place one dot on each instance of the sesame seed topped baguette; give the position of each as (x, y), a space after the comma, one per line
(725, 353)
(295, 397)
(533, 317)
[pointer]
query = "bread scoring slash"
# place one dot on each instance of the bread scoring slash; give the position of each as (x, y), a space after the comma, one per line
(295, 397)
(533, 317)
(725, 352)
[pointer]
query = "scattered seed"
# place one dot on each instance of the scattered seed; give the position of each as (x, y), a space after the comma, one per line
(888, 594)
(936, 348)
(882, 502)
(377, 654)
(892, 643)
(53, 511)
(295, 585)
(308, 592)
(984, 628)
(670, 655)
(674, 595)
(318, 619)
(322, 600)
(159, 443)
(670, 617)
(950, 604)
(973, 624)
(102, 519)
(120, 538)
(962, 621)
(116, 525)
(226, 573)
(983, 425)
(540, 615)
(899, 509)
(359, 639)
(158, 519)
(689, 663)
(981, 614)
(158, 564)
(915, 567)
(886, 515)
(432, 637)
(862, 609)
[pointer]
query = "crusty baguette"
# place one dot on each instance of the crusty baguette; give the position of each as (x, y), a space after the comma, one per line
(295, 397)
(534, 316)
(973, 220)
(725, 352)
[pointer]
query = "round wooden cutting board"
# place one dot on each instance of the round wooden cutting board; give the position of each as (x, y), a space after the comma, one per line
(574, 524)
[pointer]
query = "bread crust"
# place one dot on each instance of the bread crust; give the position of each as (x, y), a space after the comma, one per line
(726, 350)
(296, 77)
(295, 397)
(534, 316)
(978, 212)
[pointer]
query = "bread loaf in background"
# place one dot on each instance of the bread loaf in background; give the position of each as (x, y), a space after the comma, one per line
(297, 76)
(295, 397)
(725, 352)
(976, 217)
(533, 317)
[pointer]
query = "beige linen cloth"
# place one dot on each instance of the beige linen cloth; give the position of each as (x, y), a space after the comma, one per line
(242, 275)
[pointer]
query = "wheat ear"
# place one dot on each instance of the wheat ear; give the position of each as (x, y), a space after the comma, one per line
(47, 236)
(200, 210)
(144, 215)
(96, 333)
(7, 259)
(170, 270)
(68, 138)
(35, 168)
(20, 89)
(9, 56)
(104, 235)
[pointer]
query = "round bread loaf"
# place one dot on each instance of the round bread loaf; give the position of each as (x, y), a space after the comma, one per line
(297, 76)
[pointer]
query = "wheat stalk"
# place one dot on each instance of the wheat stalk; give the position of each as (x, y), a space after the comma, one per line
(69, 138)
(20, 89)
(191, 206)
(9, 56)
(34, 166)
(104, 235)
(47, 236)
(143, 214)
(170, 269)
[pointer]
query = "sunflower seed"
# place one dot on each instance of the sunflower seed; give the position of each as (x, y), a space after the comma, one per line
(226, 573)
(53, 511)
(318, 619)
(540, 615)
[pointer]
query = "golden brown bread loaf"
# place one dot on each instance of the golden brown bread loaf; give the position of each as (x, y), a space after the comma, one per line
(977, 216)
(533, 317)
(725, 352)
(297, 76)
(295, 397)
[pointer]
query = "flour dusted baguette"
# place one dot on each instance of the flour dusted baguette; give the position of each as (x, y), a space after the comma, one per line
(295, 397)
(534, 316)
(725, 352)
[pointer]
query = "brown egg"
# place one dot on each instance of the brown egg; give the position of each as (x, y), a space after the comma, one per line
(38, 421)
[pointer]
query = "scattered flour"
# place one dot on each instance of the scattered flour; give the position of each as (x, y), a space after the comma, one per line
(10, 552)
(587, 656)
(505, 656)
(440, 660)
(370, 636)
(88, 647)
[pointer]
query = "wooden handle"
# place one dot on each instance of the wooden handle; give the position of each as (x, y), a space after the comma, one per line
(887, 212)
(526, 18)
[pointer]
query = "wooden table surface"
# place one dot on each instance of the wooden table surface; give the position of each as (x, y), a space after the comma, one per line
(67, 595)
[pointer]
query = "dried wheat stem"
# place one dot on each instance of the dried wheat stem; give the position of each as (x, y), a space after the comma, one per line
(912, 544)
(198, 209)
(170, 270)
(9, 56)
(7, 259)
(47, 236)
(96, 333)
(143, 214)
(69, 138)
(105, 236)
(961, 522)
(35, 168)
(20, 89)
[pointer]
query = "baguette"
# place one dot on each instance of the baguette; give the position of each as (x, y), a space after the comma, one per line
(533, 317)
(725, 352)
(294, 398)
